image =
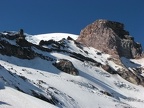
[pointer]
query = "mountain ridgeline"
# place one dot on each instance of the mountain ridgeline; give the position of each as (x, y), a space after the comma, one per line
(95, 65)
(107, 36)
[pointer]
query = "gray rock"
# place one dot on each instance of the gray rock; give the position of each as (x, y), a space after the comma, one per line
(66, 66)
(110, 37)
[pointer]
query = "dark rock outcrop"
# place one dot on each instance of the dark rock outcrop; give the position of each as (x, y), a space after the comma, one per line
(17, 51)
(52, 44)
(22, 42)
(110, 37)
(132, 77)
(108, 69)
(15, 44)
(66, 66)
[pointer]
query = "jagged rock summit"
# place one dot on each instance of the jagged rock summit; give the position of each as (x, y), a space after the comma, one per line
(110, 37)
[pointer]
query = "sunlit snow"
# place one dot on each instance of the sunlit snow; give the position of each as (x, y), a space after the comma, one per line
(90, 89)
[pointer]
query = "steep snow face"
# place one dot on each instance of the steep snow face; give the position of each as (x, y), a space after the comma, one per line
(55, 36)
(92, 88)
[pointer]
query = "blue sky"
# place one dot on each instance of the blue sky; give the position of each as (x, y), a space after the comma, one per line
(70, 16)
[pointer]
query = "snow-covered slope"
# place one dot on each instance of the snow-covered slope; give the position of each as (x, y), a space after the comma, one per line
(92, 88)
(55, 36)
(11, 98)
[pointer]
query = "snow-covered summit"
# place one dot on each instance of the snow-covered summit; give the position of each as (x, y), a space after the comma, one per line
(55, 36)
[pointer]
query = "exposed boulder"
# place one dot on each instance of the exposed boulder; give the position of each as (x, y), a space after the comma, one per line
(106, 93)
(108, 69)
(66, 66)
(110, 37)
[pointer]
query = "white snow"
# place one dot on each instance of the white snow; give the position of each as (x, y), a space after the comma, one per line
(55, 36)
(139, 61)
(11, 98)
(78, 87)
(83, 91)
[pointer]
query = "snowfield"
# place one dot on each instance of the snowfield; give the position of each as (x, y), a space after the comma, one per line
(21, 80)
(11, 98)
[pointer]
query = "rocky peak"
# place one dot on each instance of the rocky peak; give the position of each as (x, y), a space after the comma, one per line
(110, 37)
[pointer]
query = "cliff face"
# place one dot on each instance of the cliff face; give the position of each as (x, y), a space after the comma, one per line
(110, 37)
